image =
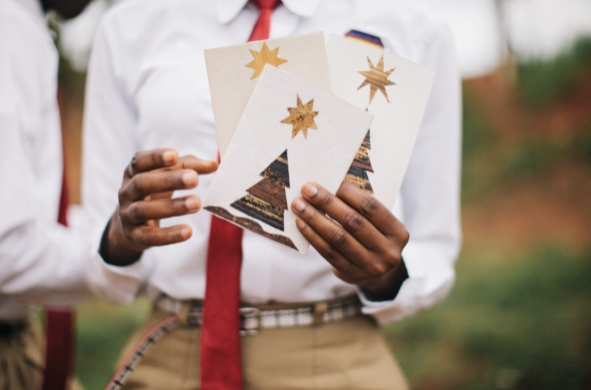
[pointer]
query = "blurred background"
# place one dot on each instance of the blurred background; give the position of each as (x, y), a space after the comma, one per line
(519, 316)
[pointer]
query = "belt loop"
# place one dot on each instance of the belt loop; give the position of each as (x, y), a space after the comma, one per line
(183, 314)
(320, 310)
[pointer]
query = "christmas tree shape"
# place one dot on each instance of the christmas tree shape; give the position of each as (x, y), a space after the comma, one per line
(357, 173)
(266, 200)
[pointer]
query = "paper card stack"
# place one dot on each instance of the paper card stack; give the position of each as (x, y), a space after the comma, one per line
(280, 125)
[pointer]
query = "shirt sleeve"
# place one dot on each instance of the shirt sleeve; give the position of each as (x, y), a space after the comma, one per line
(430, 193)
(109, 143)
(40, 261)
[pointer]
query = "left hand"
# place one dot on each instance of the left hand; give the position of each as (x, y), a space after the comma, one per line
(366, 248)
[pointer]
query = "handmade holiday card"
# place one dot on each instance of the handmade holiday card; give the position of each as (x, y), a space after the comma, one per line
(235, 70)
(290, 133)
(396, 92)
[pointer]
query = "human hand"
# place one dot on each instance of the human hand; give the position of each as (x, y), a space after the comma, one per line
(366, 248)
(145, 197)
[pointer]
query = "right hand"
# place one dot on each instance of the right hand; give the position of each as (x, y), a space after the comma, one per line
(145, 197)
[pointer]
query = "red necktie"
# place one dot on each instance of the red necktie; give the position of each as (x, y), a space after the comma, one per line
(59, 324)
(221, 355)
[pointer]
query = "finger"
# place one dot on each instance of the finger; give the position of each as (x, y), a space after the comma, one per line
(150, 160)
(142, 211)
(371, 208)
(332, 233)
(342, 267)
(147, 183)
(341, 212)
(148, 236)
(198, 165)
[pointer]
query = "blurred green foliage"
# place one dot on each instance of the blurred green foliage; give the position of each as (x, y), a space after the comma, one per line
(542, 153)
(490, 160)
(545, 82)
(478, 166)
(520, 323)
(103, 328)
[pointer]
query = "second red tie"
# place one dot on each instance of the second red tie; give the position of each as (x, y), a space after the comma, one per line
(221, 355)
(59, 324)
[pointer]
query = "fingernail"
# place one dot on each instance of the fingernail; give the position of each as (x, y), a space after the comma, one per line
(298, 205)
(300, 224)
(309, 190)
(168, 157)
(191, 203)
(186, 232)
(189, 178)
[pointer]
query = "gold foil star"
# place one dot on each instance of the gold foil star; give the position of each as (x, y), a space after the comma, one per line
(302, 118)
(265, 56)
(376, 78)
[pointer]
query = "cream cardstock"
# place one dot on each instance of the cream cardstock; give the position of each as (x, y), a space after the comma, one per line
(324, 156)
(231, 82)
(397, 121)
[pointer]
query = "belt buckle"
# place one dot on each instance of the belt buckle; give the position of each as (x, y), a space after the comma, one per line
(250, 321)
(195, 315)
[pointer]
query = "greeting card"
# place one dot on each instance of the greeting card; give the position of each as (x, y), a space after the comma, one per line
(396, 92)
(290, 133)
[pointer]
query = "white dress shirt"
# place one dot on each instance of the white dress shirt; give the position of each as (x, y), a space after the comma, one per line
(40, 261)
(148, 88)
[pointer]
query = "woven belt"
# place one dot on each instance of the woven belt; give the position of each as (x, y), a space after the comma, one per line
(252, 319)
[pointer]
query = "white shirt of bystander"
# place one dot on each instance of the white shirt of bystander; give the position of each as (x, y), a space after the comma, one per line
(40, 261)
(148, 89)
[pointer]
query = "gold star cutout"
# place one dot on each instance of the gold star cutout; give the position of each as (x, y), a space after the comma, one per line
(265, 56)
(302, 118)
(376, 78)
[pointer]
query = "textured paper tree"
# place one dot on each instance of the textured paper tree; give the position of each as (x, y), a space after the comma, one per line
(357, 173)
(266, 200)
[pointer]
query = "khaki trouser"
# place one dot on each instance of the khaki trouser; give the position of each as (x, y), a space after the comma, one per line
(21, 359)
(350, 354)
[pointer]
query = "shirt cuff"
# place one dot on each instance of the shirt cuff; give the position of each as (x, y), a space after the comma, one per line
(116, 283)
(430, 280)
(390, 311)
